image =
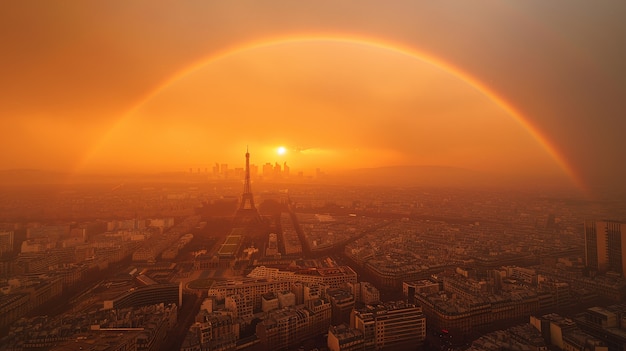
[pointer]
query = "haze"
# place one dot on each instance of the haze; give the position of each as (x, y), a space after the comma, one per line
(119, 88)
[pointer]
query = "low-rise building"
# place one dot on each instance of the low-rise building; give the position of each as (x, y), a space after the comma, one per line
(286, 328)
(344, 338)
(333, 277)
(390, 326)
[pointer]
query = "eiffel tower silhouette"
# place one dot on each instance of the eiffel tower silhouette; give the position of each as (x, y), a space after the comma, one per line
(247, 212)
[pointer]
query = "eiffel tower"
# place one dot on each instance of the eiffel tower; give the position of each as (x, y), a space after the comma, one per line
(247, 212)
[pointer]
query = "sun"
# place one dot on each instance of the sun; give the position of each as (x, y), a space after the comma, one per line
(281, 150)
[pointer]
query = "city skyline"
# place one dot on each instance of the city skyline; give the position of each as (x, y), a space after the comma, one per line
(312, 175)
(527, 91)
(371, 266)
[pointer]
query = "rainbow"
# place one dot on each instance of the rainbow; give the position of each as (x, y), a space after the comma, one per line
(365, 41)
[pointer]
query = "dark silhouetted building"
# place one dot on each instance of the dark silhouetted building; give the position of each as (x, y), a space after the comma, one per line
(605, 246)
(247, 212)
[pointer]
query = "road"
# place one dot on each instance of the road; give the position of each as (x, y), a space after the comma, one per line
(186, 317)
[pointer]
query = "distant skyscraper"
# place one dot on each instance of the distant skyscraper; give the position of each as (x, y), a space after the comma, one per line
(285, 170)
(277, 171)
(6, 242)
(268, 170)
(605, 246)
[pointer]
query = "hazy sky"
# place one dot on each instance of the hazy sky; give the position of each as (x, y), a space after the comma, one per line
(144, 86)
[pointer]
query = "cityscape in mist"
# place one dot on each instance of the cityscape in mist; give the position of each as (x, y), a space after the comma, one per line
(288, 175)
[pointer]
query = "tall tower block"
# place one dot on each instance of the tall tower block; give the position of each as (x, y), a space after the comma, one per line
(605, 246)
(247, 212)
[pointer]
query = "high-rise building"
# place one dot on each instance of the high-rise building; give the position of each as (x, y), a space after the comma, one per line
(268, 170)
(6, 242)
(605, 246)
(277, 171)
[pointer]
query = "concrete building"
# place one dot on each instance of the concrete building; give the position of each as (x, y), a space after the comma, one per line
(287, 328)
(304, 292)
(297, 289)
(250, 290)
(342, 302)
(214, 331)
(333, 277)
(523, 337)
(238, 305)
(605, 246)
(6, 242)
(148, 295)
(527, 275)
(269, 302)
(424, 286)
(53, 232)
(143, 328)
(12, 307)
(465, 304)
(390, 326)
(576, 340)
(314, 291)
(552, 327)
(343, 338)
(560, 292)
(369, 294)
(286, 299)
(565, 334)
(607, 324)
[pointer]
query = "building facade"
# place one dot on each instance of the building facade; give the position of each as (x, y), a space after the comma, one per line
(250, 290)
(605, 246)
(344, 338)
(332, 277)
(390, 326)
(287, 328)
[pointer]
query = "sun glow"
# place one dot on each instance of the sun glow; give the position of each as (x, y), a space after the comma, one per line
(401, 111)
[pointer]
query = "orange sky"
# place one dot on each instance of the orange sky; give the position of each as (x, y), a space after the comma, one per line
(76, 77)
(332, 104)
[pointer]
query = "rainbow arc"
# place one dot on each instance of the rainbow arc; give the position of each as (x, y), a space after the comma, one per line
(369, 42)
